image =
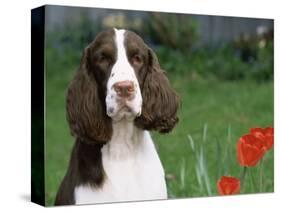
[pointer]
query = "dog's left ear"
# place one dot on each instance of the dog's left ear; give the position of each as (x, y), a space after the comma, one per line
(160, 102)
(86, 113)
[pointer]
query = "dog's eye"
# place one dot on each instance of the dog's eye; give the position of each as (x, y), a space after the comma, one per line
(136, 59)
(102, 59)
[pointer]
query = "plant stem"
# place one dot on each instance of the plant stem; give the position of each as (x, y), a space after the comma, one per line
(261, 175)
(254, 185)
(242, 178)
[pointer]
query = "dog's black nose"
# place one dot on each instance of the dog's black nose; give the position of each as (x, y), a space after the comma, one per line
(124, 89)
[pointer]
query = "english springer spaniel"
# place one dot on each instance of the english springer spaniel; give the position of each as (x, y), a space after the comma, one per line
(118, 94)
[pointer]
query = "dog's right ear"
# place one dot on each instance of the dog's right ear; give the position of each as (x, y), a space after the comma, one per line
(85, 107)
(159, 111)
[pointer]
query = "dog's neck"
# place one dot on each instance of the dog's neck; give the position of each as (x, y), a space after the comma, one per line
(126, 140)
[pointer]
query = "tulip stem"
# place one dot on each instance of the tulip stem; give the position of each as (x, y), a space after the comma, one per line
(254, 185)
(242, 178)
(261, 175)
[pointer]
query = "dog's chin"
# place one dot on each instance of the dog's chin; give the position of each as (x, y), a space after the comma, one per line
(123, 113)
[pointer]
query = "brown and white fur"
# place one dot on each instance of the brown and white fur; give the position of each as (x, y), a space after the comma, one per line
(117, 96)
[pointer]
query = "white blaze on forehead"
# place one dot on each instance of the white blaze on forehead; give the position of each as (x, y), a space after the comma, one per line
(122, 69)
(119, 39)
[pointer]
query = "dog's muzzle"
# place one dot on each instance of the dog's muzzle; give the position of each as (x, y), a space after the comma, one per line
(124, 100)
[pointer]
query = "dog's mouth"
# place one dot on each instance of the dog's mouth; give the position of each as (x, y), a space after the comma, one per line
(125, 108)
(122, 110)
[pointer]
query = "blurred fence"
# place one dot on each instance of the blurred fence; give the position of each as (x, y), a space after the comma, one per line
(212, 30)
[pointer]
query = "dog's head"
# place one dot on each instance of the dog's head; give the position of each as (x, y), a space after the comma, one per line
(119, 78)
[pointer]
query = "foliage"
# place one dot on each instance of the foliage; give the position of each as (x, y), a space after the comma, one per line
(175, 31)
(223, 63)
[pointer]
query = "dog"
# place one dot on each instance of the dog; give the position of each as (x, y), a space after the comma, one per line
(117, 96)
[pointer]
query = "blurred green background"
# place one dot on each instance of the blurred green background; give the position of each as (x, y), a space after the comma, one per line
(221, 67)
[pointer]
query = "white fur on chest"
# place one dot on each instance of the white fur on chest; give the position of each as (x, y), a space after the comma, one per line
(132, 166)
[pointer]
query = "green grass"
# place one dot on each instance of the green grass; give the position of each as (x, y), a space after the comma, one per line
(214, 114)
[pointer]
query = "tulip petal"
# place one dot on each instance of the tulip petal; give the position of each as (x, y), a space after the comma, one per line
(228, 185)
(266, 135)
(250, 150)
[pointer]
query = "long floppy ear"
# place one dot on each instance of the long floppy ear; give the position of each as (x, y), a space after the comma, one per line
(160, 102)
(85, 106)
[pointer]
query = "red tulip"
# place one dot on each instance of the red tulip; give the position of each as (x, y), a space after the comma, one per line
(264, 134)
(228, 185)
(250, 149)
